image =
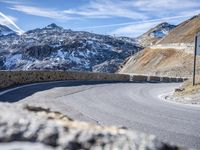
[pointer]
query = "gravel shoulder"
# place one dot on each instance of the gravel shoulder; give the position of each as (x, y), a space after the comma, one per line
(186, 93)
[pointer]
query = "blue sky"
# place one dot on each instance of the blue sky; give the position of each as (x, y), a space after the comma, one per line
(115, 17)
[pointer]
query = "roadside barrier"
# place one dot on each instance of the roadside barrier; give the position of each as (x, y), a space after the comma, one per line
(11, 78)
(14, 78)
(143, 78)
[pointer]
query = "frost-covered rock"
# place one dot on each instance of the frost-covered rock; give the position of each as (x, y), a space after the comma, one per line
(55, 48)
(26, 125)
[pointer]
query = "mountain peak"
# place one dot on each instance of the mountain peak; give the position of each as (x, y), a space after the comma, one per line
(163, 24)
(53, 25)
(4, 30)
(155, 34)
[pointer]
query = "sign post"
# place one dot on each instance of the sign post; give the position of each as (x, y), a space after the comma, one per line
(196, 52)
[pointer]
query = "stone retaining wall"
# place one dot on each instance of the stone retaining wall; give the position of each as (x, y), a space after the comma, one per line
(145, 78)
(11, 78)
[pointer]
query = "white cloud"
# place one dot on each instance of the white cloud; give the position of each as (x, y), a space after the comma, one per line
(11, 2)
(164, 5)
(106, 9)
(141, 13)
(135, 29)
(42, 12)
(190, 13)
(10, 22)
(133, 9)
(141, 22)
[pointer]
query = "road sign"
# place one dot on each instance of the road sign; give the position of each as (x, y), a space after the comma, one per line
(198, 45)
(196, 52)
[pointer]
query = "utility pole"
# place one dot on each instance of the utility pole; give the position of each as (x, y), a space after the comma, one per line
(196, 52)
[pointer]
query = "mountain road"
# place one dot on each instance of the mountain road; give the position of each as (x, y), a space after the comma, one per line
(136, 106)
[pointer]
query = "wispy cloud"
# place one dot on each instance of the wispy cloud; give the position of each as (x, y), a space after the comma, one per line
(10, 22)
(11, 2)
(138, 15)
(106, 9)
(137, 28)
(134, 30)
(133, 9)
(164, 5)
(141, 22)
(95, 9)
(42, 12)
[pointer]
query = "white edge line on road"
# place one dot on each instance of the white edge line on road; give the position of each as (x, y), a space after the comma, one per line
(27, 85)
(163, 95)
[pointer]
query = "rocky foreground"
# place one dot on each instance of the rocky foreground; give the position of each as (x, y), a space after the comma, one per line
(26, 127)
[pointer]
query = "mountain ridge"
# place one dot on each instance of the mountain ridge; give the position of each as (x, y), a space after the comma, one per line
(55, 48)
(173, 55)
(184, 32)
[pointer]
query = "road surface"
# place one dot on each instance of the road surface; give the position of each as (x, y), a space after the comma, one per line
(132, 105)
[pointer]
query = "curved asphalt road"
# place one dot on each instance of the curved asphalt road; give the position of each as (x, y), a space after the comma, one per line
(131, 105)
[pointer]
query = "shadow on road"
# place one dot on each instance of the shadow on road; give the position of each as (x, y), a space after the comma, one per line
(23, 92)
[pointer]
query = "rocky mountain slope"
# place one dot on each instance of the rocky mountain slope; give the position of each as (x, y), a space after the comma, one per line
(172, 56)
(152, 36)
(162, 62)
(184, 32)
(55, 48)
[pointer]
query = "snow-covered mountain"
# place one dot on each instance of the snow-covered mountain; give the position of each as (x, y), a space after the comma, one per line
(4, 30)
(155, 34)
(55, 48)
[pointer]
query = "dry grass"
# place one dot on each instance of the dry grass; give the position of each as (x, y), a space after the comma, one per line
(188, 89)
